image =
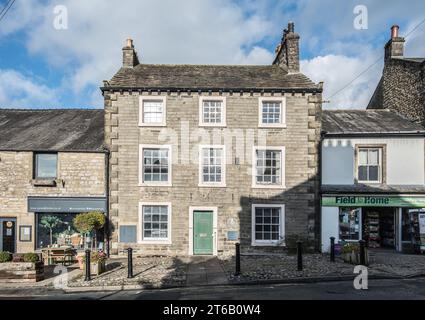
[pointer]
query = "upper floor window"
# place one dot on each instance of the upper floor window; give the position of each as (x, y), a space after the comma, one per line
(268, 167)
(271, 112)
(369, 165)
(45, 165)
(155, 167)
(212, 111)
(152, 111)
(212, 166)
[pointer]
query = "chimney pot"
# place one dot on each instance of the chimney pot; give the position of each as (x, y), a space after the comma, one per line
(291, 27)
(130, 43)
(394, 31)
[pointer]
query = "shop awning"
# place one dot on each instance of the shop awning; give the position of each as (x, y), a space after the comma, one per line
(66, 204)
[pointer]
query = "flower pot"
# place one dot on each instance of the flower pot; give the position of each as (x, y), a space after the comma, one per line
(97, 268)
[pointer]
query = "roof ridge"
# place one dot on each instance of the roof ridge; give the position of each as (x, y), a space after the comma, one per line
(204, 65)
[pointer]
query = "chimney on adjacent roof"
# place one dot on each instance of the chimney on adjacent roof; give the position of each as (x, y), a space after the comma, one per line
(288, 51)
(129, 55)
(395, 46)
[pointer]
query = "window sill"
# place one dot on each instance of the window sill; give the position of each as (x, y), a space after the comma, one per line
(44, 182)
(207, 125)
(158, 242)
(203, 185)
(268, 244)
(154, 125)
(276, 126)
(259, 186)
(155, 184)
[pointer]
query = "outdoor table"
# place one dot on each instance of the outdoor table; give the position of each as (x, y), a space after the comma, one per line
(64, 254)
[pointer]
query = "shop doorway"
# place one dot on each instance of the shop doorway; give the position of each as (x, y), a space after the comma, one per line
(380, 227)
(8, 235)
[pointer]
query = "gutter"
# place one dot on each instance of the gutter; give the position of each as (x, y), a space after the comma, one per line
(374, 134)
(204, 89)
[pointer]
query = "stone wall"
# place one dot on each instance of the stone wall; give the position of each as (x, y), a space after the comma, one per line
(21, 272)
(403, 89)
(80, 175)
(300, 138)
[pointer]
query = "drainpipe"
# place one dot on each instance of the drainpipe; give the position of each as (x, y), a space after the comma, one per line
(319, 192)
(107, 229)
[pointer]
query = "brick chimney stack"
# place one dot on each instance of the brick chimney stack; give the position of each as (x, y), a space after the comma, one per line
(129, 55)
(395, 46)
(288, 51)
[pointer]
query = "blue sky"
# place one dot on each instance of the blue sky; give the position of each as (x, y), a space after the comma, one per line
(42, 67)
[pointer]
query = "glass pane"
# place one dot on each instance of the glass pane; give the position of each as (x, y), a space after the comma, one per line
(363, 173)
(373, 157)
(46, 165)
(349, 224)
(362, 157)
(373, 173)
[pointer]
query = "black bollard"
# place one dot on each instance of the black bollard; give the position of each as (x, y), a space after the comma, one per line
(332, 249)
(238, 259)
(87, 277)
(300, 255)
(130, 263)
(362, 252)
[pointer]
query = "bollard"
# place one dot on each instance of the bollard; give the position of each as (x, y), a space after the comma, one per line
(362, 253)
(332, 249)
(87, 277)
(238, 259)
(300, 255)
(130, 263)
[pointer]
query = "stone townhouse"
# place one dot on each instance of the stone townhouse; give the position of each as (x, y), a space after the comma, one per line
(402, 85)
(204, 156)
(52, 166)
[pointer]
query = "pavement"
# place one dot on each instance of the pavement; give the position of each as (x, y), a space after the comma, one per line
(382, 289)
(205, 271)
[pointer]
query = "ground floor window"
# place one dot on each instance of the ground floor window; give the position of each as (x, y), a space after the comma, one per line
(155, 221)
(410, 224)
(267, 224)
(57, 229)
(349, 223)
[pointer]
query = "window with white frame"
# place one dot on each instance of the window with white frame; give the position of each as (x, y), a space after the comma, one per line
(212, 166)
(268, 224)
(155, 165)
(155, 220)
(212, 111)
(369, 164)
(152, 111)
(268, 167)
(272, 112)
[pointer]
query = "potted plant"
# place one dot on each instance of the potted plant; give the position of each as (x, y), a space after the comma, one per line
(97, 262)
(89, 222)
(350, 252)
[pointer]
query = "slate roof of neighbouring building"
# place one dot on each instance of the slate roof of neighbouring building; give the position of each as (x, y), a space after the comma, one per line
(210, 77)
(371, 121)
(51, 130)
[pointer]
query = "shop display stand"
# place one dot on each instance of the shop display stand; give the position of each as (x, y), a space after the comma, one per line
(387, 230)
(371, 230)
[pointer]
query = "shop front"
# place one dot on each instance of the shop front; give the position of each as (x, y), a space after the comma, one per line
(395, 222)
(53, 220)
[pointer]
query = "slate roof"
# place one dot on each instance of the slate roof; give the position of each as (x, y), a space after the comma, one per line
(51, 130)
(380, 188)
(210, 77)
(364, 122)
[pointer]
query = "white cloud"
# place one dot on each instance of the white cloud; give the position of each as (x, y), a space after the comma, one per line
(20, 91)
(336, 71)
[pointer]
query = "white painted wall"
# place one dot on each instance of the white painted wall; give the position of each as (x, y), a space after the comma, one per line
(330, 227)
(405, 160)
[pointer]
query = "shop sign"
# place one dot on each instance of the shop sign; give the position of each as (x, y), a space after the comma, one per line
(373, 201)
(66, 205)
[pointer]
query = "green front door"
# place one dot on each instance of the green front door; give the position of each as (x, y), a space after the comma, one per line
(202, 232)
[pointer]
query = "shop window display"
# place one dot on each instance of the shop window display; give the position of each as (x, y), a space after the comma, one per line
(349, 224)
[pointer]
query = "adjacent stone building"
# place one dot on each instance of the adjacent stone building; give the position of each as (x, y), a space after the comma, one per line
(402, 85)
(204, 156)
(52, 164)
